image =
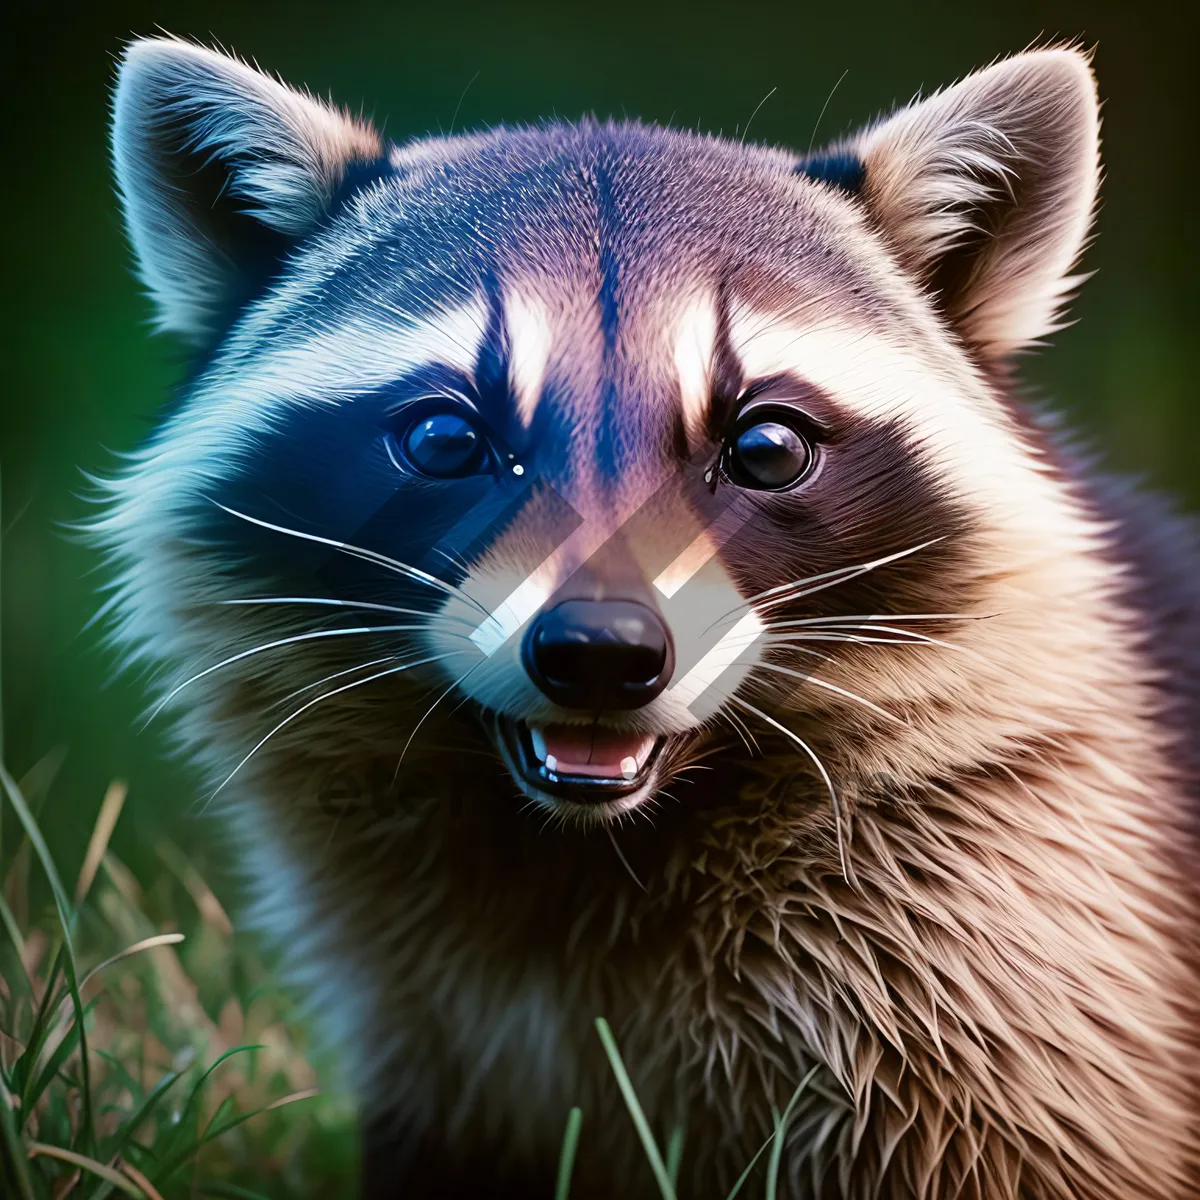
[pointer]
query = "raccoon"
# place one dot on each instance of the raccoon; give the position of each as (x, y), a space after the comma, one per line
(608, 571)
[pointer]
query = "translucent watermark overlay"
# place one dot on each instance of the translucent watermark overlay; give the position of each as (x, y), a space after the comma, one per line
(675, 533)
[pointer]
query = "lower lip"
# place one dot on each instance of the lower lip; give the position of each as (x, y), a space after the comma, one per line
(581, 788)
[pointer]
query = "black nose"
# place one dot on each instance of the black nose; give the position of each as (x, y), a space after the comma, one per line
(599, 654)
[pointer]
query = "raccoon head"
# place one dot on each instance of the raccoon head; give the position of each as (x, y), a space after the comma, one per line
(603, 436)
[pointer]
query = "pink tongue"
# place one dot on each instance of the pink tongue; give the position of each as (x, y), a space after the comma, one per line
(591, 750)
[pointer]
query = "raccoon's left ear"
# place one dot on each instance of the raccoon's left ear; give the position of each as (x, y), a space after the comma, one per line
(985, 192)
(221, 170)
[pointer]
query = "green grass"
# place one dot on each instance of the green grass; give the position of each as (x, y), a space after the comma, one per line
(666, 1170)
(145, 1050)
(139, 1060)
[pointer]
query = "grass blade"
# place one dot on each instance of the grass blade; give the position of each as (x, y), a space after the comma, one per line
(66, 920)
(160, 939)
(34, 834)
(781, 1125)
(169, 1153)
(129, 1170)
(9, 921)
(227, 1105)
(212, 1132)
(228, 1191)
(741, 1180)
(131, 1125)
(203, 897)
(675, 1155)
(566, 1156)
(106, 822)
(635, 1110)
(1, 659)
(52, 997)
(90, 1165)
(54, 1063)
(13, 1160)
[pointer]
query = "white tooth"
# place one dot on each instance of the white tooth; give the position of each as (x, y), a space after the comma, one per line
(551, 763)
(539, 743)
(644, 752)
(629, 767)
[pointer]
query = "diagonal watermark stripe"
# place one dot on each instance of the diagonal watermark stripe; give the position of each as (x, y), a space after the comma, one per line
(557, 542)
(730, 647)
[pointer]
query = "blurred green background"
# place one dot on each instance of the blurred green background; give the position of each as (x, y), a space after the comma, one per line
(83, 376)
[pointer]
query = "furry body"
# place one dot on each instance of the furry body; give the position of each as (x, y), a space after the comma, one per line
(984, 943)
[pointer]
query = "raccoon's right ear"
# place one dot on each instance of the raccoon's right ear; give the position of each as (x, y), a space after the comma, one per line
(221, 170)
(984, 192)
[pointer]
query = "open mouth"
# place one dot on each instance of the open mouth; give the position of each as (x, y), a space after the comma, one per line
(579, 762)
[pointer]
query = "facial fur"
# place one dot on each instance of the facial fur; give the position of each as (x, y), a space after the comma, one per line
(906, 804)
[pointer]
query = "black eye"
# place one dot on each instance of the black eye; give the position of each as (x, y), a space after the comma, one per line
(445, 445)
(768, 452)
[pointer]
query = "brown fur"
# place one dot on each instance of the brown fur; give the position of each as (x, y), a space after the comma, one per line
(1001, 1001)
(984, 948)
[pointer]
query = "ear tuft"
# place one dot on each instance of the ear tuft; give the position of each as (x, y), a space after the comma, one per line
(985, 192)
(221, 169)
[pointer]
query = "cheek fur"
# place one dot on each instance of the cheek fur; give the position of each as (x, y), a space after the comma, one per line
(873, 497)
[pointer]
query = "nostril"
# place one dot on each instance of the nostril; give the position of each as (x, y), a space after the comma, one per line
(599, 653)
(569, 659)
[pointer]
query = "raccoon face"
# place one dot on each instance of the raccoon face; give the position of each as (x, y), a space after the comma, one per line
(608, 435)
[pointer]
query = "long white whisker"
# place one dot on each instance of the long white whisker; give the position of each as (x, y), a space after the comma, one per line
(750, 638)
(308, 687)
(832, 687)
(801, 590)
(774, 596)
(837, 810)
(743, 731)
(834, 635)
(429, 711)
(312, 635)
(392, 564)
(365, 605)
(798, 588)
(794, 640)
(912, 635)
(408, 666)
(840, 620)
(612, 837)
(453, 558)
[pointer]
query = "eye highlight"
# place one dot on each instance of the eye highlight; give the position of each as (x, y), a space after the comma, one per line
(444, 445)
(768, 450)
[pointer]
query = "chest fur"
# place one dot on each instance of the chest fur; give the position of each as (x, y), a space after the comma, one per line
(989, 991)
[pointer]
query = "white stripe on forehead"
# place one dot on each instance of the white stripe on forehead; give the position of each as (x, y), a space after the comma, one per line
(942, 406)
(530, 339)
